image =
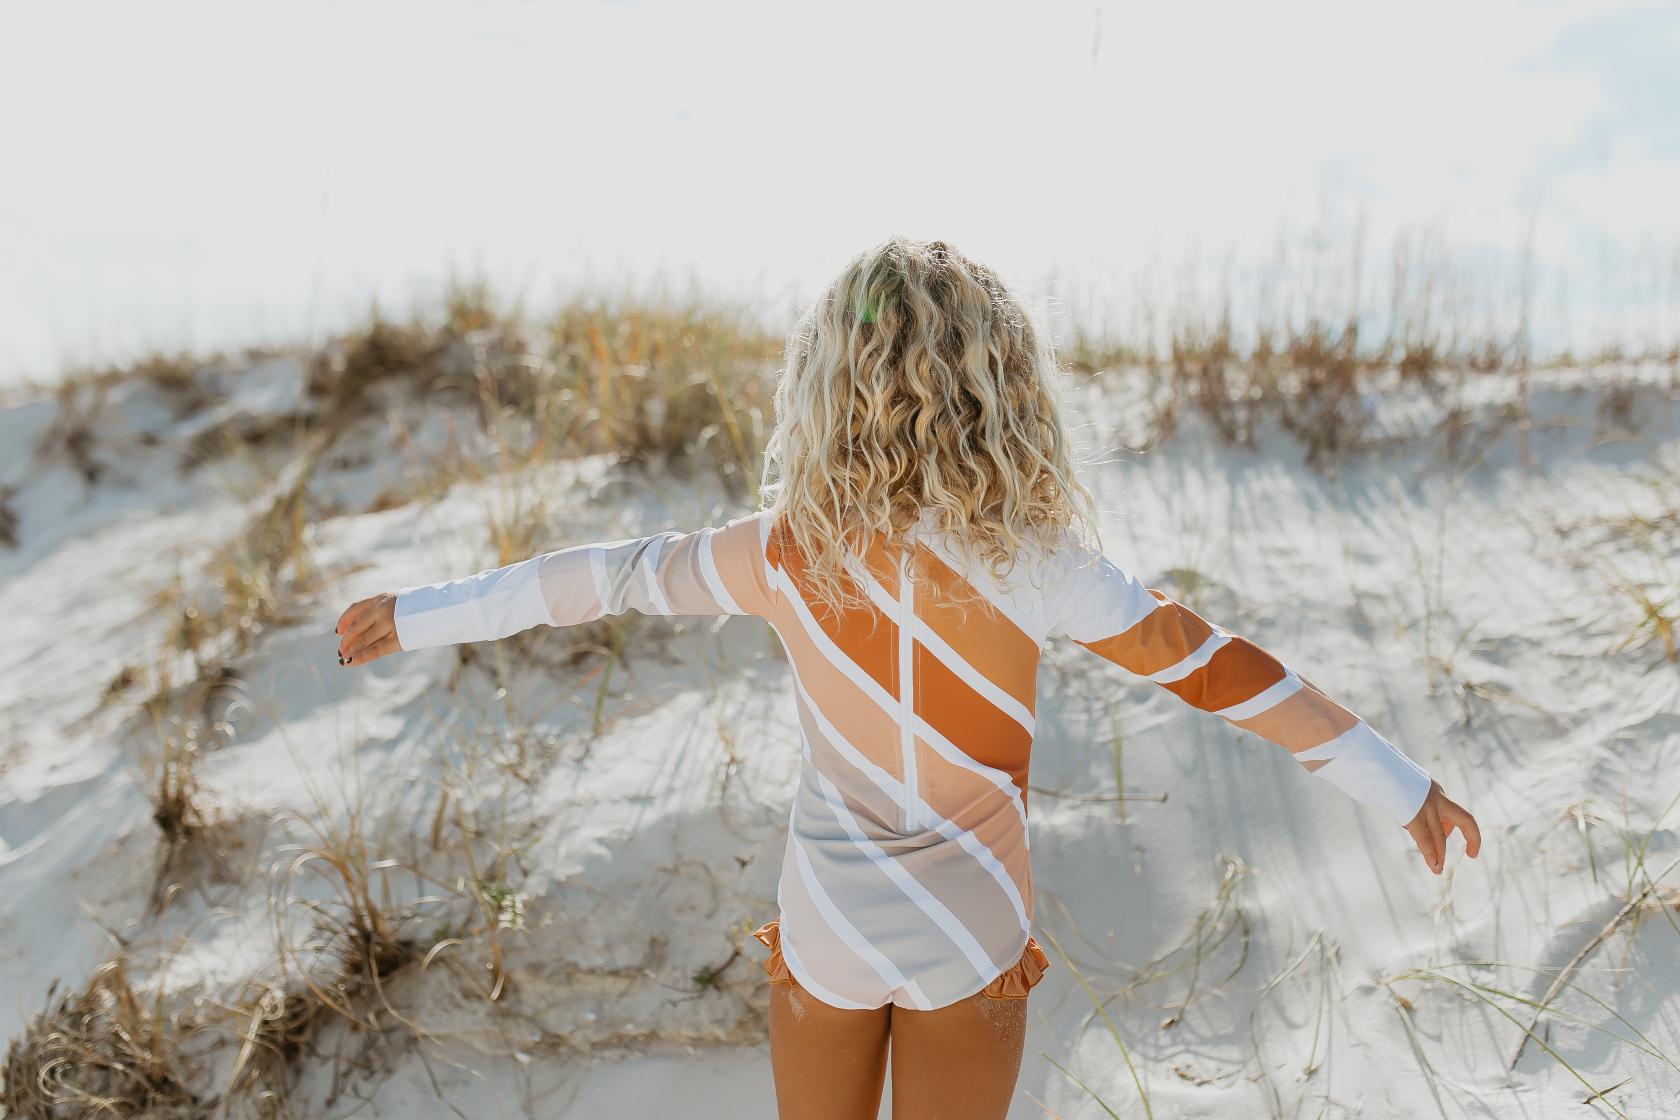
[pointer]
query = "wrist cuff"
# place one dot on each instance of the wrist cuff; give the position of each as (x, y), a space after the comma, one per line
(1369, 768)
(479, 608)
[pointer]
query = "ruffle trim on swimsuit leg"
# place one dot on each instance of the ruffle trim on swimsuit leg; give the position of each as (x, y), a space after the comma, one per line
(770, 933)
(1013, 983)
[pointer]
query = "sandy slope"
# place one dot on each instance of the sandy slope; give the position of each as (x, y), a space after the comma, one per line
(647, 853)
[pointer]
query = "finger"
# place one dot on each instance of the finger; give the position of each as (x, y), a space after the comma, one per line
(1437, 842)
(1466, 823)
(1419, 831)
(354, 612)
(378, 646)
(367, 626)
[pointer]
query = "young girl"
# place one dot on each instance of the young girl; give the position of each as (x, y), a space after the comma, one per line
(922, 536)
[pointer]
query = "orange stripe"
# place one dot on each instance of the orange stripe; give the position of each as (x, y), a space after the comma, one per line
(882, 566)
(977, 631)
(1238, 670)
(969, 721)
(1162, 638)
(864, 634)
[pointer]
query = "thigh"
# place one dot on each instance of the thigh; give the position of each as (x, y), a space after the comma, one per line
(829, 1063)
(957, 1061)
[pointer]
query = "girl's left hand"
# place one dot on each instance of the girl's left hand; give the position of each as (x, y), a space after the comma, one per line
(367, 630)
(1435, 822)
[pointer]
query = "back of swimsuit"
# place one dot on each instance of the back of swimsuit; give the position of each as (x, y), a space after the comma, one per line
(906, 875)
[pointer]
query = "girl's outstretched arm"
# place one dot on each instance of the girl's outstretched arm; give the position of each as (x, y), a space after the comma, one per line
(712, 571)
(1107, 610)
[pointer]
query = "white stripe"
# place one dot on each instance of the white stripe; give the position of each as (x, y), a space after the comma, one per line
(832, 915)
(971, 676)
(598, 569)
(904, 881)
(1024, 607)
(714, 581)
(770, 571)
(1195, 661)
(883, 599)
(839, 924)
(846, 931)
(889, 785)
(655, 549)
(1330, 748)
(1265, 700)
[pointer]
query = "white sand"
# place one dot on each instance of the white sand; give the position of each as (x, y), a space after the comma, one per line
(643, 863)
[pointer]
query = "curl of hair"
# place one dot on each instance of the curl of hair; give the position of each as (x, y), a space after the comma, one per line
(918, 385)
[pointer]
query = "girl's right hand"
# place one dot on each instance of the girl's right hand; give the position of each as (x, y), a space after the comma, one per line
(367, 630)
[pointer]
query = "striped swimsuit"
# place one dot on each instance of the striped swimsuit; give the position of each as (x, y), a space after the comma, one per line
(906, 875)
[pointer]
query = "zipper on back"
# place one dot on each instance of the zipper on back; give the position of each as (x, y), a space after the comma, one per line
(906, 683)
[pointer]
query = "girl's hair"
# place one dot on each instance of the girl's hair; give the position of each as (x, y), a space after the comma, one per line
(919, 384)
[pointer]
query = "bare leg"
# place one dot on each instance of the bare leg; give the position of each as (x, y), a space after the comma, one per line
(958, 1062)
(829, 1063)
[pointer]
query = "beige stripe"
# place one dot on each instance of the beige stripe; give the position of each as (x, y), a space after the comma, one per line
(874, 806)
(969, 801)
(1300, 721)
(740, 564)
(819, 947)
(682, 581)
(573, 583)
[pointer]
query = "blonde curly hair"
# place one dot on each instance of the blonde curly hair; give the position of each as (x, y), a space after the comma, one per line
(918, 386)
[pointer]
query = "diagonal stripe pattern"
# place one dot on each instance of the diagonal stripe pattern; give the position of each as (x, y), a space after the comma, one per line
(906, 876)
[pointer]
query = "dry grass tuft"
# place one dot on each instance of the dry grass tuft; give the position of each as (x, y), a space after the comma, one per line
(276, 1030)
(665, 383)
(179, 378)
(70, 437)
(244, 432)
(342, 375)
(1321, 406)
(103, 1051)
(255, 578)
(183, 723)
(357, 936)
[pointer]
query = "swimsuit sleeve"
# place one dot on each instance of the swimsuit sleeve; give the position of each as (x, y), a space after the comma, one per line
(712, 571)
(1106, 609)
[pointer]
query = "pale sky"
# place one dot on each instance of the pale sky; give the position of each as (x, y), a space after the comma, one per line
(211, 174)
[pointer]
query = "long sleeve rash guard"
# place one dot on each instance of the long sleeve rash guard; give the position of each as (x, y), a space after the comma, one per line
(906, 876)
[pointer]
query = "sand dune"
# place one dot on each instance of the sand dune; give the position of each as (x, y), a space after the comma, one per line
(590, 835)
